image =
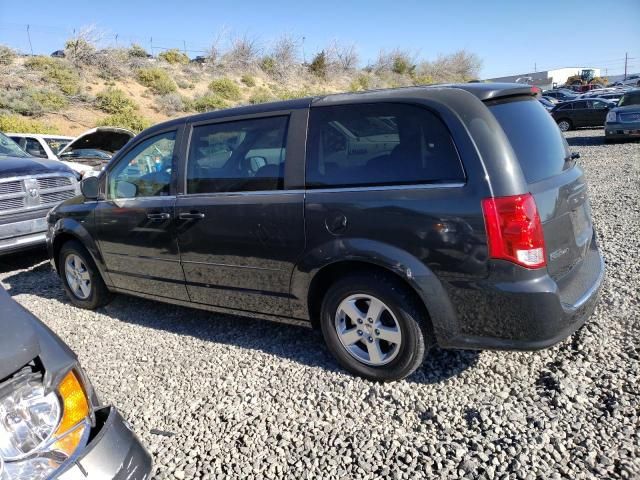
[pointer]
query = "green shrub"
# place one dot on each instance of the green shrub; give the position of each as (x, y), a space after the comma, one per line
(49, 100)
(422, 80)
(225, 88)
(31, 102)
(208, 102)
(157, 80)
(268, 65)
(129, 120)
(114, 100)
(286, 94)
(136, 51)
(319, 65)
(7, 55)
(184, 84)
(262, 95)
(248, 80)
(360, 83)
(402, 65)
(174, 56)
(16, 123)
(56, 71)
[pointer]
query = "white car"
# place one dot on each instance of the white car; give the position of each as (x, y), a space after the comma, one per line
(46, 146)
(94, 148)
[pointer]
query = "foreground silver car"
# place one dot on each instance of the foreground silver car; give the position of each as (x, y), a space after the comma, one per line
(51, 422)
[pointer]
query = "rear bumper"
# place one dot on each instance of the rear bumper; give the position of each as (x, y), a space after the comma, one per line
(114, 452)
(22, 235)
(531, 314)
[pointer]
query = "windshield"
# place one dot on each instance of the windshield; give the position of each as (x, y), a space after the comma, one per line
(57, 144)
(9, 148)
(632, 98)
(87, 153)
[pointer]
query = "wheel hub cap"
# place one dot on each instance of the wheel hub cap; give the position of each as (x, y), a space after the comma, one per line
(78, 277)
(368, 329)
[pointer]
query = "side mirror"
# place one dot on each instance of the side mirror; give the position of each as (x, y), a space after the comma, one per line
(89, 188)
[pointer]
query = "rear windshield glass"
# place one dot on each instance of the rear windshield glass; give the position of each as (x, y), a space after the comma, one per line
(538, 143)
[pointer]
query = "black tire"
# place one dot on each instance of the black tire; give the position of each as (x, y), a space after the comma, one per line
(570, 125)
(413, 323)
(99, 294)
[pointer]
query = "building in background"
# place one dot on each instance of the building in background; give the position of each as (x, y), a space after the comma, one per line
(546, 79)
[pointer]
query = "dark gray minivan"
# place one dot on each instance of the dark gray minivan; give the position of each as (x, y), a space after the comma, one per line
(393, 220)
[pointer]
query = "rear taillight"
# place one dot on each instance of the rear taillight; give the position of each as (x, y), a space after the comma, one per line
(514, 230)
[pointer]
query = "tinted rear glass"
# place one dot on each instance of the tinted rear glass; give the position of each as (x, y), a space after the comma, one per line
(534, 136)
(379, 144)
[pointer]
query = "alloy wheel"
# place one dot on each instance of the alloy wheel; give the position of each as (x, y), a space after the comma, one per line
(78, 277)
(368, 329)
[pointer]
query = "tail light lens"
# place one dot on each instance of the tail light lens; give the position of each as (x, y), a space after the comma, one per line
(514, 230)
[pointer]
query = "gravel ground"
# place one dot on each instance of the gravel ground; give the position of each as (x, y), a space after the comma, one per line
(229, 397)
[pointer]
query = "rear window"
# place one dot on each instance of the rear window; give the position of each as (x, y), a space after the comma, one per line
(538, 143)
(379, 144)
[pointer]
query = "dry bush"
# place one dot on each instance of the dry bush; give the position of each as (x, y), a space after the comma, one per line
(173, 103)
(242, 55)
(112, 63)
(343, 56)
(283, 58)
(7, 55)
(460, 66)
(81, 48)
(398, 61)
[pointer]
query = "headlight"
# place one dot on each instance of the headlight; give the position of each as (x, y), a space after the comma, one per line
(611, 117)
(38, 431)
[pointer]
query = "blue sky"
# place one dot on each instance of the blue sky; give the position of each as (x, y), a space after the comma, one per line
(510, 37)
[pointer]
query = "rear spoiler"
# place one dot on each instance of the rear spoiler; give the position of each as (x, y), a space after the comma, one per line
(494, 91)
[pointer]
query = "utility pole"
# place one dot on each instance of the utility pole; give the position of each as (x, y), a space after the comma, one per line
(626, 58)
(535, 67)
(151, 45)
(29, 37)
(184, 45)
(304, 58)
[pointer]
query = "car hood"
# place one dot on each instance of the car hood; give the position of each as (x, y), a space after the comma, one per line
(626, 108)
(22, 166)
(107, 139)
(24, 338)
(19, 340)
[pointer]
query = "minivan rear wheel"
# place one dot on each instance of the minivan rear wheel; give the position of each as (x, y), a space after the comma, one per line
(81, 279)
(564, 125)
(374, 327)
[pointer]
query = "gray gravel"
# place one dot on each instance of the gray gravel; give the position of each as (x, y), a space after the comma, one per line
(224, 397)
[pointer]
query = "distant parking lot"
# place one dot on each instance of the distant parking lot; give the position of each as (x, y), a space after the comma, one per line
(217, 396)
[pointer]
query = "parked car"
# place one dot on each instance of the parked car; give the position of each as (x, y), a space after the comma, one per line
(46, 146)
(553, 100)
(58, 54)
(94, 148)
(29, 187)
(623, 122)
(562, 94)
(391, 220)
(39, 145)
(53, 424)
(581, 113)
(547, 104)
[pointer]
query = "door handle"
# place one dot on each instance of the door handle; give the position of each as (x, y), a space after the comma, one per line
(191, 216)
(158, 217)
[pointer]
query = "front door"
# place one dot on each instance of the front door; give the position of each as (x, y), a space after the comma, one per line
(599, 110)
(240, 230)
(136, 225)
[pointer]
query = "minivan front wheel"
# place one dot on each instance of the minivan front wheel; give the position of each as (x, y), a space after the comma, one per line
(80, 277)
(374, 327)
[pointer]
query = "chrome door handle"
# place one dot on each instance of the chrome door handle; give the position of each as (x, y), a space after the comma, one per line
(191, 216)
(158, 217)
